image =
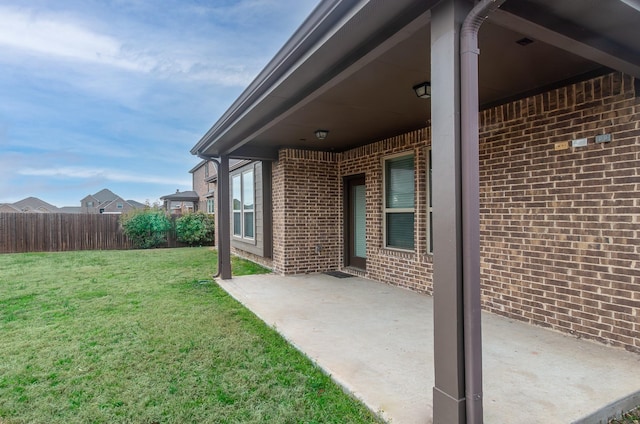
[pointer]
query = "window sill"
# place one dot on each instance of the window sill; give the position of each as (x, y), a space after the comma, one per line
(399, 253)
(251, 241)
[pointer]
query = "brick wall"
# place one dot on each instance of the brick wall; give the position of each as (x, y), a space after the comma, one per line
(308, 211)
(307, 226)
(561, 228)
(406, 269)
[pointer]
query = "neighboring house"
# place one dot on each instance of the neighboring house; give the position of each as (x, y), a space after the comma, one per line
(106, 201)
(200, 176)
(181, 202)
(366, 177)
(71, 209)
(29, 204)
(8, 207)
(136, 205)
(204, 181)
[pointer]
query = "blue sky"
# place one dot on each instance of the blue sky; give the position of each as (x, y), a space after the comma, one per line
(114, 93)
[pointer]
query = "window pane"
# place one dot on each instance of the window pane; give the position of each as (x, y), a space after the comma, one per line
(237, 224)
(400, 230)
(248, 224)
(247, 190)
(237, 193)
(399, 182)
(360, 221)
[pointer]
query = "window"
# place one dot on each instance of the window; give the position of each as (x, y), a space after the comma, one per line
(237, 205)
(243, 204)
(399, 202)
(211, 206)
(119, 205)
(89, 204)
(206, 169)
(248, 203)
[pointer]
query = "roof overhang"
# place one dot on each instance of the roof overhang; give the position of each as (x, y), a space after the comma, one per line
(185, 196)
(351, 66)
(198, 166)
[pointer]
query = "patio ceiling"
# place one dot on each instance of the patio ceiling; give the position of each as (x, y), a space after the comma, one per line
(351, 67)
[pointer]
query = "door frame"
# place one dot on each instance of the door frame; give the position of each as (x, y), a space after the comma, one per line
(347, 183)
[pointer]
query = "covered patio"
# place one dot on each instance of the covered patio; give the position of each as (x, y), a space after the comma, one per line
(376, 340)
(505, 181)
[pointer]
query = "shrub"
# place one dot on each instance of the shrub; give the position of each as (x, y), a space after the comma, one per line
(195, 228)
(146, 228)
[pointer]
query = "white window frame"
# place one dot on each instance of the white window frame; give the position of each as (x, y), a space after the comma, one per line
(211, 205)
(386, 210)
(242, 211)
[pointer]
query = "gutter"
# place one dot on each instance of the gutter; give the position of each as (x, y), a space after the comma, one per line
(217, 165)
(470, 140)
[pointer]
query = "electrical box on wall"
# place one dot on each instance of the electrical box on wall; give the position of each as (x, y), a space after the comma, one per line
(580, 142)
(603, 138)
(561, 145)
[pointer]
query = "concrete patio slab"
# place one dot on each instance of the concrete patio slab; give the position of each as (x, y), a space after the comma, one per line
(377, 341)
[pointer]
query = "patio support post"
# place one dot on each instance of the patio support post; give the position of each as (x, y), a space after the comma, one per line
(449, 403)
(224, 219)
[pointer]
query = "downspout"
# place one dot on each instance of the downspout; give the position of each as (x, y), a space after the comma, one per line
(469, 134)
(217, 165)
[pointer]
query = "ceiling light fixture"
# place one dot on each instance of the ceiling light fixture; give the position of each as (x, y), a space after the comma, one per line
(321, 134)
(423, 90)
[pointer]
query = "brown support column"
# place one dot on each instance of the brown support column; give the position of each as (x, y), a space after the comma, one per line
(449, 401)
(224, 219)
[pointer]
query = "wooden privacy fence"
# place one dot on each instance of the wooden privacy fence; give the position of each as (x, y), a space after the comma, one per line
(54, 232)
(57, 232)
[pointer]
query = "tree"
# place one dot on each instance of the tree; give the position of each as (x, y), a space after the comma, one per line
(195, 228)
(146, 228)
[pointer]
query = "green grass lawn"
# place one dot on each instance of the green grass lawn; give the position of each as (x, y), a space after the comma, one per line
(145, 336)
(632, 417)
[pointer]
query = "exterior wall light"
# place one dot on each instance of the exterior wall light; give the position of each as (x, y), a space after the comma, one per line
(321, 134)
(423, 90)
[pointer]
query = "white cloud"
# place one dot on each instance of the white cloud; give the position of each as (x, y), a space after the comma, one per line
(61, 39)
(46, 35)
(106, 174)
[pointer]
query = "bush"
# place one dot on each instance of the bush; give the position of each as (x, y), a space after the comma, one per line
(195, 228)
(146, 228)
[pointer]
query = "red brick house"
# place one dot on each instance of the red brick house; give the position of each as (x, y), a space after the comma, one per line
(536, 218)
